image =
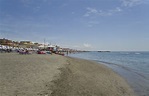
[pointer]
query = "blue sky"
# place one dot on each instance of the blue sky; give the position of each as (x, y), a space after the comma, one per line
(116, 25)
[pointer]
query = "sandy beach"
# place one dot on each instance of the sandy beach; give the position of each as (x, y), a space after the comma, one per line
(55, 75)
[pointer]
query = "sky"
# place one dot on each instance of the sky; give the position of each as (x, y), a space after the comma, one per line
(114, 25)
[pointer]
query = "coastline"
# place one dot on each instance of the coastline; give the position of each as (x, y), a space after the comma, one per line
(54, 75)
(132, 66)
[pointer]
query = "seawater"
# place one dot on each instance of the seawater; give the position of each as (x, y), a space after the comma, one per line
(133, 66)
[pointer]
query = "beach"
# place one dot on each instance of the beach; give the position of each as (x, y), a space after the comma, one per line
(55, 75)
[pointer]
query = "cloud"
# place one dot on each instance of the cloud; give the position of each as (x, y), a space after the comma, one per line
(86, 45)
(91, 11)
(95, 12)
(109, 12)
(83, 46)
(117, 9)
(131, 3)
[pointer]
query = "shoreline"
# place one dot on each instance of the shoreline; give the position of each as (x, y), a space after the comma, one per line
(137, 81)
(59, 76)
(137, 78)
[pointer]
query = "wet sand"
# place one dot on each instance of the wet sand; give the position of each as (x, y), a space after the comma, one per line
(54, 75)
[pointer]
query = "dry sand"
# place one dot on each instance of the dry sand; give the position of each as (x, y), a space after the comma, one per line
(53, 75)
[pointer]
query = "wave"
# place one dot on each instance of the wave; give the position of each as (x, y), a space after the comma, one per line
(123, 67)
(137, 53)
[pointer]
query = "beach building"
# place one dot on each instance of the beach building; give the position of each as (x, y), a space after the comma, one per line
(6, 42)
(26, 43)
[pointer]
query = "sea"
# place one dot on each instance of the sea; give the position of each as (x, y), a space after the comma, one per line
(132, 66)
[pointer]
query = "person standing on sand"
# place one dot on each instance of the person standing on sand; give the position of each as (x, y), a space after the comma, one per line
(67, 52)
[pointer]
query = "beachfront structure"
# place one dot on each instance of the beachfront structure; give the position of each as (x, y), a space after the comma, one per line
(5, 42)
(16, 45)
(42, 46)
(26, 43)
(8, 42)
